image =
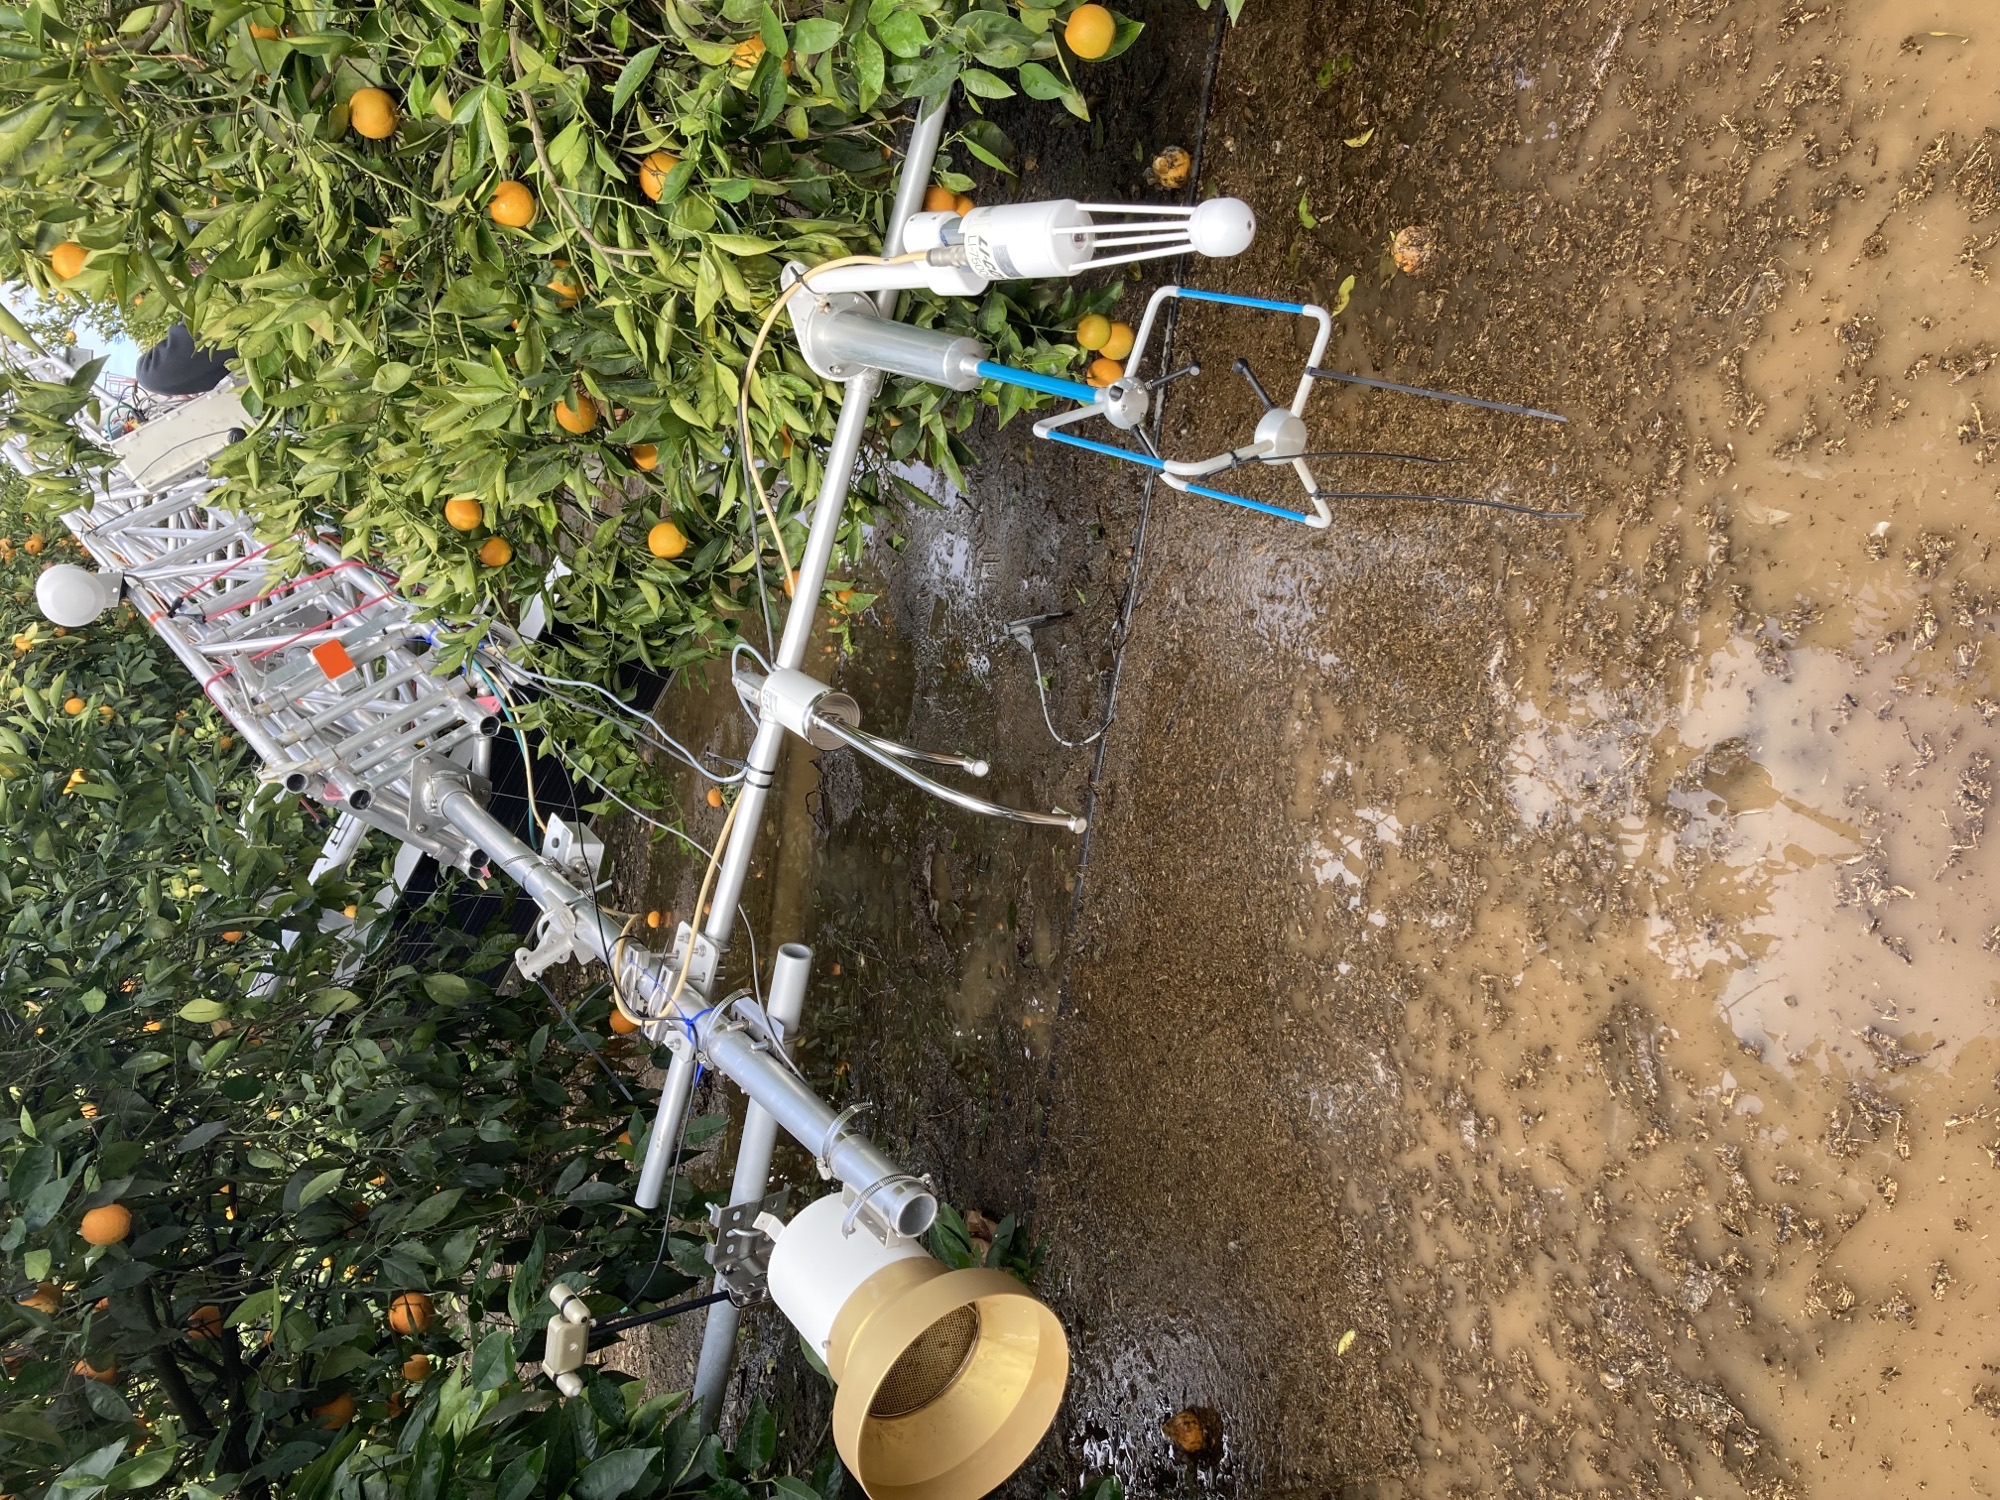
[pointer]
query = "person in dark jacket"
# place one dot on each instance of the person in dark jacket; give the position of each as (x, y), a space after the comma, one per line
(177, 366)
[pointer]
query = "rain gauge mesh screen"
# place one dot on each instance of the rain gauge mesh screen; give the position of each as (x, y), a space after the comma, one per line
(924, 1371)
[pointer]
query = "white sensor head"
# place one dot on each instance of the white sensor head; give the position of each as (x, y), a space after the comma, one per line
(1222, 227)
(71, 596)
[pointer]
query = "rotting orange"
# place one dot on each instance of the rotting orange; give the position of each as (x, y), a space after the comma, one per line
(106, 1225)
(464, 513)
(496, 552)
(748, 53)
(1090, 31)
(512, 204)
(653, 173)
(371, 112)
(666, 541)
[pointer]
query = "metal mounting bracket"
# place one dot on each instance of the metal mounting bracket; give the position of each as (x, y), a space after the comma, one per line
(741, 1250)
(809, 310)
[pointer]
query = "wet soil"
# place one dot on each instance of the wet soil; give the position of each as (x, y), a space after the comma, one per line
(1559, 955)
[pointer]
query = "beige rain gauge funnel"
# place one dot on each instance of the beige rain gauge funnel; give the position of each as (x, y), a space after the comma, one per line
(946, 1379)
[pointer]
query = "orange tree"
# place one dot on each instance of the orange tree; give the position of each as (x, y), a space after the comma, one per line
(485, 248)
(280, 1217)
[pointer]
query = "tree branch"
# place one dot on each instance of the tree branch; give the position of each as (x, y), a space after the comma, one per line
(155, 29)
(173, 1380)
(548, 172)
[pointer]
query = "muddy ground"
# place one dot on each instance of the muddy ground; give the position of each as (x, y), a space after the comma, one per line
(1560, 953)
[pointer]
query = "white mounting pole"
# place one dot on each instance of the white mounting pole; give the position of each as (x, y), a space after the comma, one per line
(718, 1345)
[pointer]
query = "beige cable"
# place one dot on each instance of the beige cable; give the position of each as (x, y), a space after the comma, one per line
(750, 371)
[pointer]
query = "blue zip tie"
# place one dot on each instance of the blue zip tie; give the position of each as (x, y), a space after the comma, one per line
(1235, 301)
(1048, 385)
(1145, 460)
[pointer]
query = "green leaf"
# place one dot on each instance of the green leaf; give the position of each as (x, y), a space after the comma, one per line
(986, 85)
(869, 65)
(815, 35)
(448, 989)
(493, 1362)
(392, 376)
(903, 33)
(635, 72)
(1037, 82)
(203, 1011)
(1306, 219)
(1360, 140)
(320, 1186)
(1340, 301)
(615, 1473)
(433, 1210)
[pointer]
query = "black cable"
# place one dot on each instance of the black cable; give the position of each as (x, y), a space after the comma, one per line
(671, 1310)
(1520, 510)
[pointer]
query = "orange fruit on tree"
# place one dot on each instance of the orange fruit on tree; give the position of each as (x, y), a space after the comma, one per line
(1103, 371)
(67, 259)
(1092, 331)
(653, 173)
(371, 112)
(962, 205)
(624, 1137)
(496, 552)
(748, 53)
(90, 1371)
(106, 1225)
(262, 32)
(645, 456)
(44, 1299)
(336, 1413)
(939, 200)
(417, 1367)
(565, 291)
(411, 1312)
(622, 1024)
(578, 414)
(666, 540)
(231, 936)
(1119, 344)
(205, 1322)
(74, 706)
(511, 204)
(1090, 31)
(464, 513)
